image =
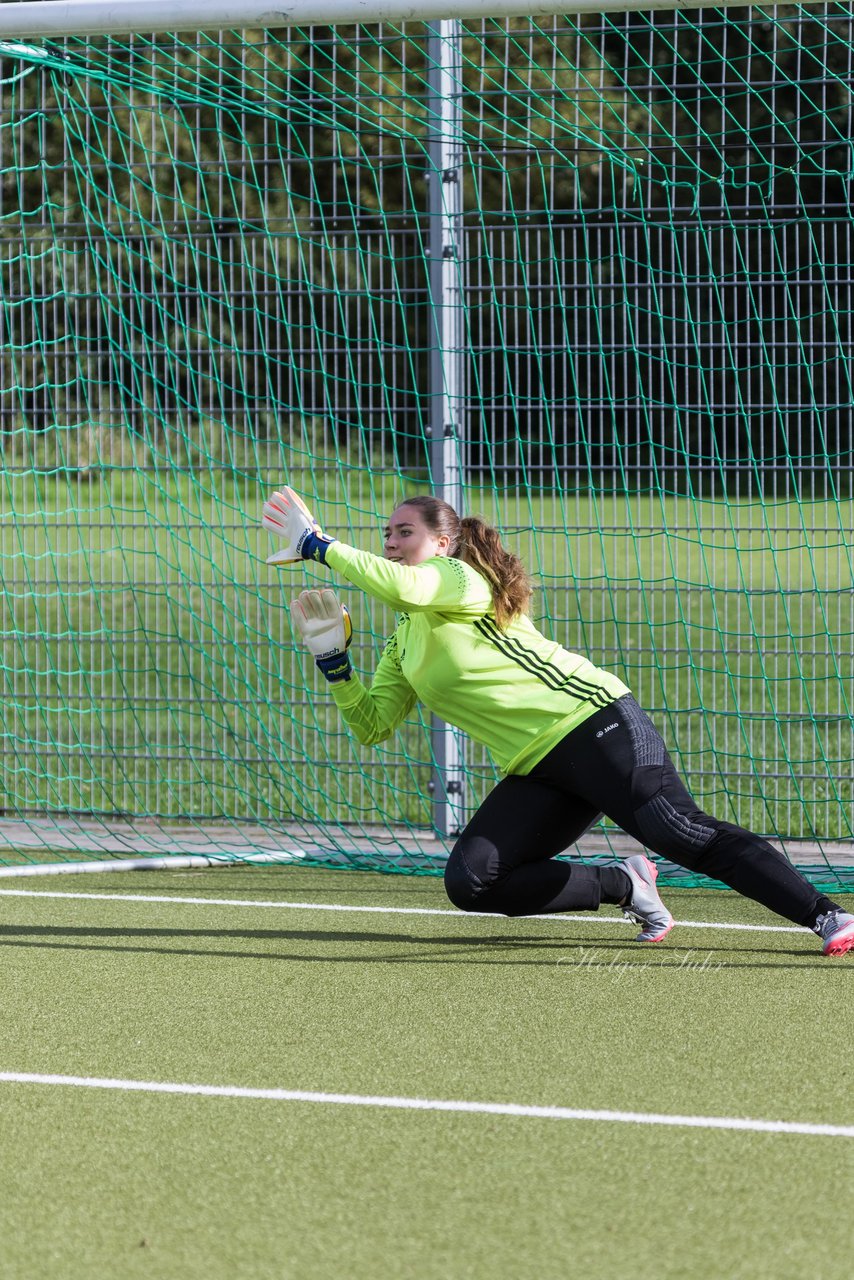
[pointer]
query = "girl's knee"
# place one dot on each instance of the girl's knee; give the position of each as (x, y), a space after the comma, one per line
(460, 886)
(467, 875)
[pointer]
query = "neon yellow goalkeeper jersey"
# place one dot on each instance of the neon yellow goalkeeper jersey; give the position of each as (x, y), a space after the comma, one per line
(514, 691)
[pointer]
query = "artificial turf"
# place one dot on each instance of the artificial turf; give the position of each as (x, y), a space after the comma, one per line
(560, 1012)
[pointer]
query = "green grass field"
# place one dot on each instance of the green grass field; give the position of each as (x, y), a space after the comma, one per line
(238, 989)
(148, 666)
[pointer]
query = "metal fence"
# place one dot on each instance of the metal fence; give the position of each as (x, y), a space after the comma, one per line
(215, 264)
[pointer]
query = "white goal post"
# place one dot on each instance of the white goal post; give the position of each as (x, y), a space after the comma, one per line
(56, 18)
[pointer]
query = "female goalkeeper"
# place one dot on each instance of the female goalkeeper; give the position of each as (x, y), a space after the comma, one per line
(570, 739)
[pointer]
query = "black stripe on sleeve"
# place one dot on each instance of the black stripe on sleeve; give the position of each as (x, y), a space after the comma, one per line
(544, 671)
(501, 638)
(550, 674)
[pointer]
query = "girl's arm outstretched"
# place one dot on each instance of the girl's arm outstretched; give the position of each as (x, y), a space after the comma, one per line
(438, 585)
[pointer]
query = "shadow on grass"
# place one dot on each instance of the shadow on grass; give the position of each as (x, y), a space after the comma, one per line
(568, 955)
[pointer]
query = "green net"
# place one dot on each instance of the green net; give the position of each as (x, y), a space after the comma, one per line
(215, 277)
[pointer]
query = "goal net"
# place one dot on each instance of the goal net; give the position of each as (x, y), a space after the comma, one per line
(218, 274)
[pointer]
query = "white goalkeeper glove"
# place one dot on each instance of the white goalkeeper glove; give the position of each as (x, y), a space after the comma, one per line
(286, 515)
(323, 623)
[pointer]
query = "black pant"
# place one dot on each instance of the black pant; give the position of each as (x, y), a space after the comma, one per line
(615, 764)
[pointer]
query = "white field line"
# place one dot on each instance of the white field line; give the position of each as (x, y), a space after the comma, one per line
(589, 918)
(433, 1104)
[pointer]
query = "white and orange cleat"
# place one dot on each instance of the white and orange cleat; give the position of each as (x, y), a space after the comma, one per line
(644, 906)
(836, 930)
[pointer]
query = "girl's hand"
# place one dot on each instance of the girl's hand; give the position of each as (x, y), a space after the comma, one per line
(286, 515)
(324, 625)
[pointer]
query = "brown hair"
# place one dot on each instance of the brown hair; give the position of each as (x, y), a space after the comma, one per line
(479, 544)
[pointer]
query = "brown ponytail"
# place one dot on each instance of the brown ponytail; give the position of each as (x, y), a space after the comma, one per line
(481, 547)
(478, 544)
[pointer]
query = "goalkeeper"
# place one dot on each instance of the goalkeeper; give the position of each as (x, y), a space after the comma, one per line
(569, 738)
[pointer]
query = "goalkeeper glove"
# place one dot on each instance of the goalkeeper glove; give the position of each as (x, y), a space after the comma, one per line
(287, 515)
(324, 625)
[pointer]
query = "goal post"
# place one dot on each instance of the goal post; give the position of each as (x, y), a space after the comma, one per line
(585, 275)
(447, 428)
(56, 19)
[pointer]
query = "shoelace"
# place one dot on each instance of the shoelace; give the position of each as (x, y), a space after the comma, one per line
(824, 925)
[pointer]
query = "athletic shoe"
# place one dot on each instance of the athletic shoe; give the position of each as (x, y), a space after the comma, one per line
(836, 930)
(644, 906)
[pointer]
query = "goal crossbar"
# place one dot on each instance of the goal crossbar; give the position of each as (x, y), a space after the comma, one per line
(57, 18)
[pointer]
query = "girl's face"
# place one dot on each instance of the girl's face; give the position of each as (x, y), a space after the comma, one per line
(407, 539)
